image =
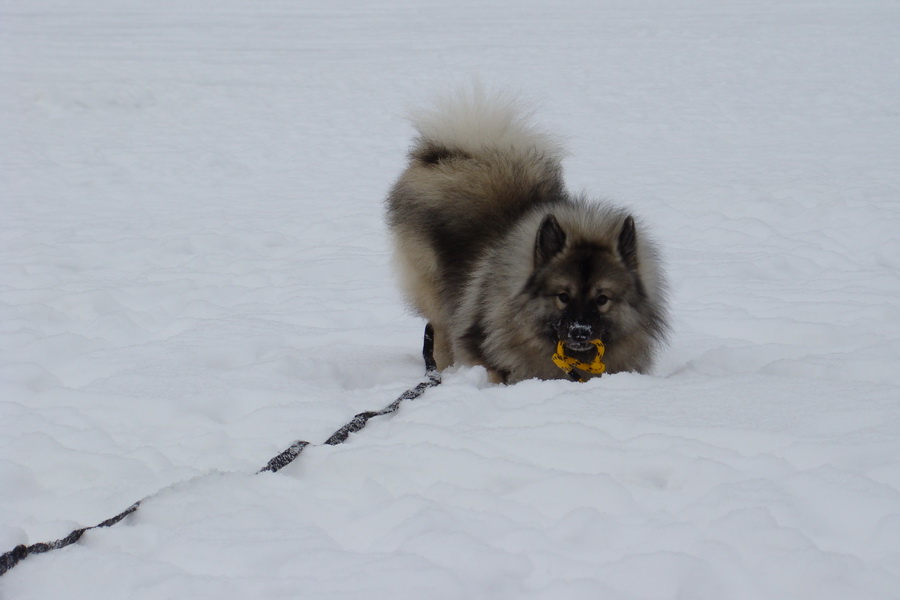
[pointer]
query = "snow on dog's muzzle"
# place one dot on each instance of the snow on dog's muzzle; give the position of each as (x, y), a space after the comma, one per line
(578, 337)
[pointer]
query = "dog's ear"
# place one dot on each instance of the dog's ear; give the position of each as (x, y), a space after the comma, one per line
(628, 244)
(550, 240)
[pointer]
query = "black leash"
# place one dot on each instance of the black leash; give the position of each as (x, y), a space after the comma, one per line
(432, 378)
(19, 553)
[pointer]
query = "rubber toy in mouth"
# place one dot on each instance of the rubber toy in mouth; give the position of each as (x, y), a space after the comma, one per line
(569, 364)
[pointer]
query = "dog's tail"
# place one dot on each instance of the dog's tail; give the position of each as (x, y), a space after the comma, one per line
(473, 121)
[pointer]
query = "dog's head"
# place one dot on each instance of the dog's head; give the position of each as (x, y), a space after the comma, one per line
(585, 287)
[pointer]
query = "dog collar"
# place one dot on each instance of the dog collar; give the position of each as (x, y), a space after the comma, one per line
(568, 363)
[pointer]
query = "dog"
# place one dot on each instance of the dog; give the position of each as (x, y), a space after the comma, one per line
(509, 267)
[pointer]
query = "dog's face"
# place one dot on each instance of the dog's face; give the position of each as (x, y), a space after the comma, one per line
(586, 290)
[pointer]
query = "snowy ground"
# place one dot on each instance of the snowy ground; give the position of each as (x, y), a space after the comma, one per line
(195, 273)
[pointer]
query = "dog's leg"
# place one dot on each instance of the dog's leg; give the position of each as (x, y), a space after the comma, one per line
(443, 351)
(495, 376)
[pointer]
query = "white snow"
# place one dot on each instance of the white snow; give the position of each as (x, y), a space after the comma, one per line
(195, 273)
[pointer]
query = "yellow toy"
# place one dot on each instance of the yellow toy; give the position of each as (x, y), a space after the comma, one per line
(569, 364)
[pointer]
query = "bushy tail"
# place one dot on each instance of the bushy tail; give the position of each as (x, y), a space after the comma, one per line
(473, 121)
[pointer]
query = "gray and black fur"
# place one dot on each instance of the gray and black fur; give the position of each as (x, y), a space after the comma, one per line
(503, 262)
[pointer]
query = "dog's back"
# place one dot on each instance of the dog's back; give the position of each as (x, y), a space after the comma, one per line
(475, 168)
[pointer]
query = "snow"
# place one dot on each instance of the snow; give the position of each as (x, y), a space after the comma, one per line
(195, 273)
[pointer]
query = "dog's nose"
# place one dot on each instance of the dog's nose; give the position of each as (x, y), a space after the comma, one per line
(579, 333)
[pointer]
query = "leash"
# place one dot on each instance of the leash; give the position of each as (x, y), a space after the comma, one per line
(432, 378)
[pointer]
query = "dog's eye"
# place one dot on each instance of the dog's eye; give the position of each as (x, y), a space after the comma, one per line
(602, 299)
(564, 298)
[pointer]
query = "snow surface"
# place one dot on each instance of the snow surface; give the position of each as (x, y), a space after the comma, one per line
(195, 273)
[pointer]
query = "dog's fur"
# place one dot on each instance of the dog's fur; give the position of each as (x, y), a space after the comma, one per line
(504, 263)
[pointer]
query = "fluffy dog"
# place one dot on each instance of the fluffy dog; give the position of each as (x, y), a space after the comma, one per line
(506, 264)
